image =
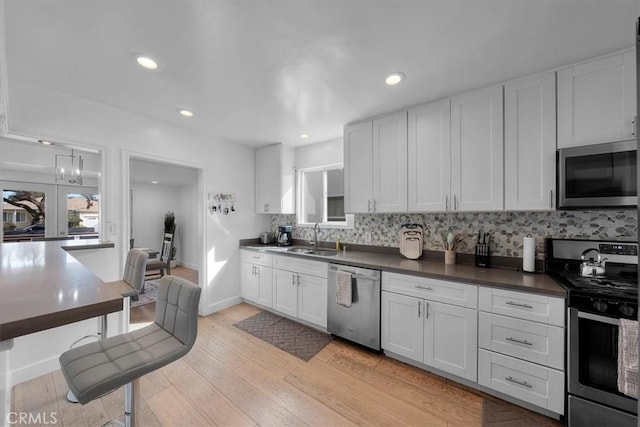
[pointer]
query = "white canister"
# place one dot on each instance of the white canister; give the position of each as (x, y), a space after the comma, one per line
(529, 254)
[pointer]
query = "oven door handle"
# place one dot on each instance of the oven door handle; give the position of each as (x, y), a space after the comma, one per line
(596, 318)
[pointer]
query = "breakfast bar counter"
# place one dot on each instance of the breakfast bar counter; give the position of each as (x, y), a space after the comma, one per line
(42, 286)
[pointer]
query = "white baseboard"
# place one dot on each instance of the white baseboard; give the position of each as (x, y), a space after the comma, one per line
(221, 305)
(187, 265)
(29, 372)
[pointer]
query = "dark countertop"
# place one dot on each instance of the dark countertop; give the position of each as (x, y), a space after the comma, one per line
(539, 283)
(42, 287)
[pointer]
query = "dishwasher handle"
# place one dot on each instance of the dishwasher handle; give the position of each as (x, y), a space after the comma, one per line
(358, 276)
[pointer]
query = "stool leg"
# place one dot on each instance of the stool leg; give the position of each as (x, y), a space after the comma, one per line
(129, 416)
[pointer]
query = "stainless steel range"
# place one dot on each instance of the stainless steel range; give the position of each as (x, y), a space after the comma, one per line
(601, 279)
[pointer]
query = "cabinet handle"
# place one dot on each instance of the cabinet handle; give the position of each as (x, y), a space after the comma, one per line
(551, 199)
(374, 205)
(419, 304)
(446, 202)
(634, 126)
(293, 280)
(298, 279)
(368, 205)
(518, 305)
(522, 383)
(426, 288)
(455, 202)
(426, 309)
(525, 342)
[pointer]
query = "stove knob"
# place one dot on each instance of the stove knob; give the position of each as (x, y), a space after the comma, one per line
(626, 310)
(600, 306)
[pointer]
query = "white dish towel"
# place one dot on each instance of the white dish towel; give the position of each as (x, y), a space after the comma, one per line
(628, 357)
(344, 289)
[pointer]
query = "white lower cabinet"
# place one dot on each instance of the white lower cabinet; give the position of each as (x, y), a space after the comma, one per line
(439, 335)
(299, 294)
(522, 346)
(526, 381)
(256, 278)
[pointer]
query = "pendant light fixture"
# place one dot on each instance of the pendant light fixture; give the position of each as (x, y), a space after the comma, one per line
(69, 168)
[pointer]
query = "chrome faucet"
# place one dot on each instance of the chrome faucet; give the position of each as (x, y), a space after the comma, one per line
(316, 228)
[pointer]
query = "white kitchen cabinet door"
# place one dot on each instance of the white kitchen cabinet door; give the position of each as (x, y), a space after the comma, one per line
(451, 339)
(530, 143)
(358, 167)
(390, 163)
(274, 180)
(265, 285)
(285, 292)
(429, 157)
(477, 150)
(249, 282)
(312, 299)
(402, 325)
(597, 101)
(256, 284)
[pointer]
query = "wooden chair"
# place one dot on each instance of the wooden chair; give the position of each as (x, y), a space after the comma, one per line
(163, 263)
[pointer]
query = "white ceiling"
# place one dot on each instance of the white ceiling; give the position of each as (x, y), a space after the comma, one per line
(258, 72)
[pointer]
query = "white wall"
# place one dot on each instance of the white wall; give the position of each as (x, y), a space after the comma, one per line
(227, 167)
(320, 154)
(187, 227)
(150, 204)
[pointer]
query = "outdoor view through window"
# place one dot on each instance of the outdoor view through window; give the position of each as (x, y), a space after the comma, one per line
(25, 214)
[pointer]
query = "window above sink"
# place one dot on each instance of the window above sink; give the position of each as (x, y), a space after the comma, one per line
(321, 197)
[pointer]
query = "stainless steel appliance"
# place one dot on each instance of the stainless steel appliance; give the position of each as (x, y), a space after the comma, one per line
(360, 322)
(595, 306)
(285, 237)
(602, 175)
(267, 238)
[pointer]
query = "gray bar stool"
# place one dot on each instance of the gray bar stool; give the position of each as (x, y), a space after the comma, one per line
(100, 367)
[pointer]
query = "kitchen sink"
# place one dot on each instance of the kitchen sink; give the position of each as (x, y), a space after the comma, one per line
(322, 252)
(311, 251)
(300, 250)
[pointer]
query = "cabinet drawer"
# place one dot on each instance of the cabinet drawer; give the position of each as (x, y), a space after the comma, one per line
(257, 258)
(303, 266)
(522, 305)
(540, 386)
(535, 342)
(454, 293)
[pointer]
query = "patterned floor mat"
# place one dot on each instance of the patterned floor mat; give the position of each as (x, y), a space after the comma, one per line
(294, 338)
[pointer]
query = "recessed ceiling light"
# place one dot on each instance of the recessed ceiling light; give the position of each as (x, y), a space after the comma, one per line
(304, 136)
(394, 78)
(45, 142)
(146, 62)
(185, 112)
(154, 182)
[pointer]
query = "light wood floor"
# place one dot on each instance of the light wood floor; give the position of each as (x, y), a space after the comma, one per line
(232, 378)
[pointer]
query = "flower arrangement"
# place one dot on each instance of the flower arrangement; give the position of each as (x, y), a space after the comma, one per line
(450, 240)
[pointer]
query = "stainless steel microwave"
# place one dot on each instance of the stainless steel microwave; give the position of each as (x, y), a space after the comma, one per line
(598, 176)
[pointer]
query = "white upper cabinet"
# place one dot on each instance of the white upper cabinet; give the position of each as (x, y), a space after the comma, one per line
(375, 156)
(477, 150)
(275, 177)
(390, 163)
(597, 101)
(530, 143)
(358, 167)
(429, 157)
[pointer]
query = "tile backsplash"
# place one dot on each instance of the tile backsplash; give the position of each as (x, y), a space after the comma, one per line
(506, 228)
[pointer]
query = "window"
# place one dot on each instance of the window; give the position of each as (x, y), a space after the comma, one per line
(321, 197)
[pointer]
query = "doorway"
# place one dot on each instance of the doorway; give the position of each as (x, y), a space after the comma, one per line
(156, 187)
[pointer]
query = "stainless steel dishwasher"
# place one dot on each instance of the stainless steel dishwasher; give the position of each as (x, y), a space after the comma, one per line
(360, 322)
